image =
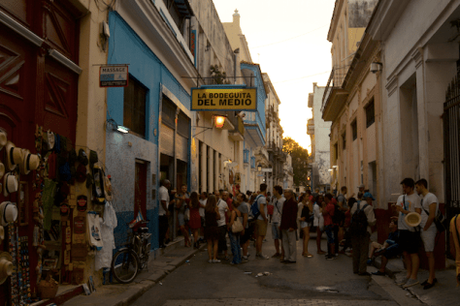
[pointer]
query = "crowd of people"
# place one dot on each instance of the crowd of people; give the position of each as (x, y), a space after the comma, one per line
(347, 221)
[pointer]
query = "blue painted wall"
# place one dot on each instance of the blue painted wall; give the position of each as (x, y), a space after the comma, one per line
(125, 47)
(261, 96)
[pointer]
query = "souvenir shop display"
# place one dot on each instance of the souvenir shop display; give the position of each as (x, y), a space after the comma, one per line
(50, 229)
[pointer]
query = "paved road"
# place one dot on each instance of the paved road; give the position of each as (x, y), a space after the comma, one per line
(311, 281)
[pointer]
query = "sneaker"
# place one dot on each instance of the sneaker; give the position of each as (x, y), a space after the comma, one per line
(210, 261)
(261, 256)
(276, 255)
(369, 262)
(379, 273)
(245, 257)
(216, 260)
(330, 258)
(403, 282)
(411, 282)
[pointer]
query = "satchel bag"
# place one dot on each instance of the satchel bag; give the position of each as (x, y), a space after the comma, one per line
(440, 221)
(237, 226)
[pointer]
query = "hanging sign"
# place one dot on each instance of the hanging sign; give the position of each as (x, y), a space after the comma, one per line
(113, 76)
(224, 98)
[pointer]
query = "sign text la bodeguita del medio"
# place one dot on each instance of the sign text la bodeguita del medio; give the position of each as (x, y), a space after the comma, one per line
(224, 99)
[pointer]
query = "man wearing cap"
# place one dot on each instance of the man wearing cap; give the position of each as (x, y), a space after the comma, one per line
(430, 207)
(360, 243)
(408, 202)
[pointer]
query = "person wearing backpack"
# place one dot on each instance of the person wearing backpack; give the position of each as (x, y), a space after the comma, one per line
(262, 219)
(362, 218)
(430, 207)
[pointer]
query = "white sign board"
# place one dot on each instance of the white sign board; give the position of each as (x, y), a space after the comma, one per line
(113, 76)
(267, 170)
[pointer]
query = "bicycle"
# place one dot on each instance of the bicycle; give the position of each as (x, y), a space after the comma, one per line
(128, 261)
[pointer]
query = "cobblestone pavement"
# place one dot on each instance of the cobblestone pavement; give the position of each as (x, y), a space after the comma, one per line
(276, 302)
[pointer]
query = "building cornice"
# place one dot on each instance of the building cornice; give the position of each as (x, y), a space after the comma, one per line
(386, 14)
(335, 19)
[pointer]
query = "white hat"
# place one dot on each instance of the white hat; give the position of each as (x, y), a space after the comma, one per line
(6, 266)
(413, 219)
(8, 213)
(10, 148)
(2, 170)
(30, 162)
(3, 138)
(10, 184)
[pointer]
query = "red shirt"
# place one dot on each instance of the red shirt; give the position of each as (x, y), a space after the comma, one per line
(330, 208)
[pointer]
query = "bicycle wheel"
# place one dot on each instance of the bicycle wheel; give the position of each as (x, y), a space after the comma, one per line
(125, 265)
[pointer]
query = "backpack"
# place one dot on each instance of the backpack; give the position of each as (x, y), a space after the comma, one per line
(255, 208)
(339, 216)
(358, 225)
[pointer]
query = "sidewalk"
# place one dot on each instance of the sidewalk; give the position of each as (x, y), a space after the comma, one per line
(173, 256)
(445, 292)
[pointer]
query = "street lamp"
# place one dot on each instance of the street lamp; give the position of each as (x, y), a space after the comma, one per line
(219, 121)
(259, 168)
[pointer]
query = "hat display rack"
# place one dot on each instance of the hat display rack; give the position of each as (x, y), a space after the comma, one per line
(60, 162)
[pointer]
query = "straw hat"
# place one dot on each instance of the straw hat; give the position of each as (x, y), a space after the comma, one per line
(6, 266)
(11, 150)
(2, 170)
(8, 213)
(413, 219)
(10, 184)
(2, 233)
(3, 138)
(30, 162)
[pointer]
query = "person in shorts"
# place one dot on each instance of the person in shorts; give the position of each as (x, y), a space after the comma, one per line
(278, 201)
(430, 207)
(262, 220)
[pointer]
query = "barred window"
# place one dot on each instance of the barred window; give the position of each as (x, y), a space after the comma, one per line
(354, 129)
(370, 114)
(168, 112)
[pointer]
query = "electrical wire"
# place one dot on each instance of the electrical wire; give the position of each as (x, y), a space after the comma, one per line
(304, 77)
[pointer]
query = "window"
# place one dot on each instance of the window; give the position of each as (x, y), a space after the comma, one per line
(354, 130)
(336, 152)
(179, 12)
(135, 95)
(344, 141)
(183, 125)
(168, 113)
(370, 114)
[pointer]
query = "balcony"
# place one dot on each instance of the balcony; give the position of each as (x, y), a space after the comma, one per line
(237, 134)
(310, 127)
(334, 94)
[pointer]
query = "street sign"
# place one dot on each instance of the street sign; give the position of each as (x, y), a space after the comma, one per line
(224, 98)
(267, 170)
(113, 76)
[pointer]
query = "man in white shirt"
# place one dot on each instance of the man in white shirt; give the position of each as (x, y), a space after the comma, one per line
(163, 210)
(203, 201)
(430, 206)
(222, 227)
(278, 201)
(262, 220)
(408, 202)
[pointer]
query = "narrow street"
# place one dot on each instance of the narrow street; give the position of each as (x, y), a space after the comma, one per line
(311, 281)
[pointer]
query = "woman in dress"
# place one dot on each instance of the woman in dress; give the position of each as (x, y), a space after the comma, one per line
(306, 221)
(235, 237)
(195, 219)
(211, 232)
(318, 222)
(182, 200)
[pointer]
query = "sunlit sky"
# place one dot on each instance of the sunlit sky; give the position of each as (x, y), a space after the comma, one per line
(289, 40)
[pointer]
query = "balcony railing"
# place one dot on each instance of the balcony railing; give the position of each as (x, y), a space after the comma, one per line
(310, 127)
(335, 82)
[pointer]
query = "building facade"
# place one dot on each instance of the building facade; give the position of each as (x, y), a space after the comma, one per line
(319, 131)
(351, 100)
